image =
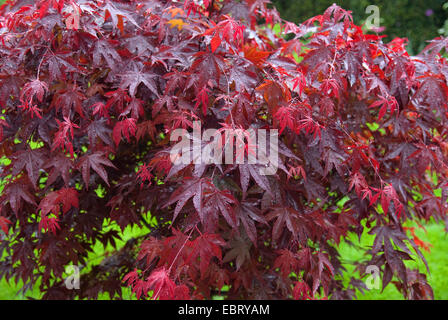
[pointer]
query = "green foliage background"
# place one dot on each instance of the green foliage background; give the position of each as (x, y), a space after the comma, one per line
(402, 18)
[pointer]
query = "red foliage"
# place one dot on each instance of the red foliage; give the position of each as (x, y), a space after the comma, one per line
(100, 84)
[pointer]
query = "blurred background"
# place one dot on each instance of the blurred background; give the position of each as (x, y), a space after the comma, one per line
(417, 20)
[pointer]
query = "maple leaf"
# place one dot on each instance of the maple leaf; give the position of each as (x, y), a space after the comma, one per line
(316, 60)
(286, 261)
(72, 19)
(239, 251)
(433, 92)
(243, 77)
(98, 130)
(310, 126)
(208, 66)
(249, 170)
(104, 50)
(358, 157)
(4, 224)
(335, 160)
(138, 44)
(300, 83)
(320, 272)
(174, 11)
(191, 188)
(134, 109)
(146, 68)
(95, 161)
(10, 86)
(131, 278)
(394, 261)
(191, 6)
(257, 57)
(230, 30)
(100, 109)
(385, 103)
(357, 181)
(386, 195)
(215, 42)
(272, 92)
(126, 128)
(248, 213)
(330, 87)
(3, 124)
(117, 98)
(175, 80)
(202, 98)
(34, 89)
(177, 23)
(196, 155)
(132, 79)
(161, 284)
(336, 13)
(386, 234)
(144, 174)
(290, 218)
(401, 72)
(176, 248)
(17, 193)
(389, 194)
(296, 172)
(31, 160)
(31, 108)
(139, 287)
(285, 116)
(165, 101)
(150, 249)
(117, 15)
(60, 64)
(65, 135)
(216, 200)
(69, 99)
(206, 199)
(376, 83)
(181, 292)
(60, 166)
(45, 5)
(49, 224)
(302, 291)
(435, 46)
(146, 127)
(67, 197)
(205, 247)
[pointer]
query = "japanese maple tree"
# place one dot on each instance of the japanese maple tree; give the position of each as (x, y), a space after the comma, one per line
(91, 90)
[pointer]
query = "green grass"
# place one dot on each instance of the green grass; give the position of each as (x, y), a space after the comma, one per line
(437, 260)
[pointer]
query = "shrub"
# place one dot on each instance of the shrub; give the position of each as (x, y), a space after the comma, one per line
(91, 92)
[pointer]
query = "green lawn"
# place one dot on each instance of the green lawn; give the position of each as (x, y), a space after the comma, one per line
(437, 260)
